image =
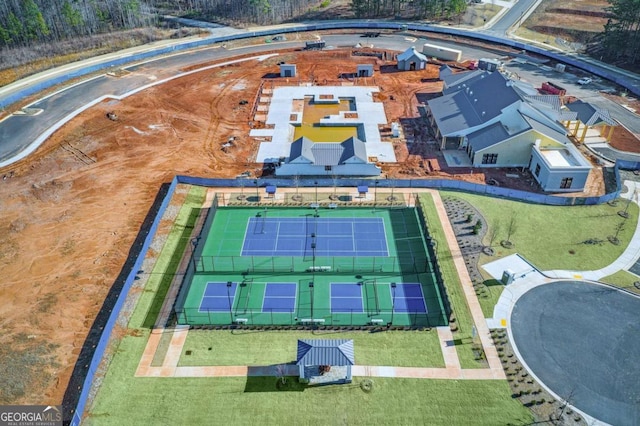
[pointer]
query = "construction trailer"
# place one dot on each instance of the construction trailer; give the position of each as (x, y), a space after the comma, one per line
(441, 52)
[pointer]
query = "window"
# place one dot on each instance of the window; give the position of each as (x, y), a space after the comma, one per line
(489, 158)
(566, 183)
(537, 172)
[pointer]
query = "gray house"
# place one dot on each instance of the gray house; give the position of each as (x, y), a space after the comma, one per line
(411, 60)
(348, 158)
(325, 361)
(498, 122)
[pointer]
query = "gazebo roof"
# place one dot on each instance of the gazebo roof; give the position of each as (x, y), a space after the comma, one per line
(325, 352)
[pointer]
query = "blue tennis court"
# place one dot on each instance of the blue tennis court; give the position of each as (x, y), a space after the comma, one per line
(280, 297)
(408, 298)
(305, 235)
(217, 297)
(346, 297)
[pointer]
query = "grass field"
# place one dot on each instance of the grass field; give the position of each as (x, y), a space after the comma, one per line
(126, 400)
(488, 294)
(622, 279)
(464, 322)
(556, 237)
(250, 347)
(155, 289)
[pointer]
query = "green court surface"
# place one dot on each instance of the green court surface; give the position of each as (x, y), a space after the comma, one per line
(290, 288)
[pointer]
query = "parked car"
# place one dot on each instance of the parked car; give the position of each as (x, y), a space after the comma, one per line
(584, 80)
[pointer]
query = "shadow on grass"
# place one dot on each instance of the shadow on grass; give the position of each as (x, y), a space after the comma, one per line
(273, 384)
(170, 271)
(493, 283)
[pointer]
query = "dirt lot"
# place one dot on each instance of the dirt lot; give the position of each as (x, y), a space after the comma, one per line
(574, 20)
(70, 213)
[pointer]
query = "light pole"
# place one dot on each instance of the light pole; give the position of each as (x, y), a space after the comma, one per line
(229, 284)
(316, 184)
(375, 194)
(393, 301)
(257, 192)
(311, 291)
(392, 185)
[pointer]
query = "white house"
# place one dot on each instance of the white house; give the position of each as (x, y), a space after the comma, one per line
(498, 122)
(308, 158)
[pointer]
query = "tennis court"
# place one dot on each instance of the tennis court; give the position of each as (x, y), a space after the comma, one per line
(296, 266)
(326, 236)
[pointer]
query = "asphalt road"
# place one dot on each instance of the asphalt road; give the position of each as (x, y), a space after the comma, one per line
(515, 14)
(581, 341)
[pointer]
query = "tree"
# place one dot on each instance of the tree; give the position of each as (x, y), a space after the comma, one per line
(72, 17)
(622, 31)
(4, 35)
(34, 23)
(14, 28)
(511, 227)
(493, 232)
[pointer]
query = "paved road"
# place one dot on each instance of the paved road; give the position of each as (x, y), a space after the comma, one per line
(581, 341)
(514, 16)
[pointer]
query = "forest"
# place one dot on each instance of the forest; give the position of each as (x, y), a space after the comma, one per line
(24, 22)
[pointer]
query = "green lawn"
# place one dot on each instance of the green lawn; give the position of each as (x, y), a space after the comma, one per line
(166, 265)
(126, 400)
(464, 322)
(622, 279)
(488, 294)
(553, 237)
(251, 347)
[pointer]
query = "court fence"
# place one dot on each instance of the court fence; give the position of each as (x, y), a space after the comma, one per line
(291, 264)
(317, 318)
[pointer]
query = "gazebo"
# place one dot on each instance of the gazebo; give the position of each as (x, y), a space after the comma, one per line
(325, 361)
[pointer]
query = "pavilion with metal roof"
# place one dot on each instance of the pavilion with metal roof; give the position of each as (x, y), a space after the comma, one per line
(315, 355)
(589, 116)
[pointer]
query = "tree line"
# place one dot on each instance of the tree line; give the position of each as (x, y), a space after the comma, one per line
(622, 32)
(25, 22)
(415, 9)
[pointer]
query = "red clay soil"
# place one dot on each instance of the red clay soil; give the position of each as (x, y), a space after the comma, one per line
(71, 211)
